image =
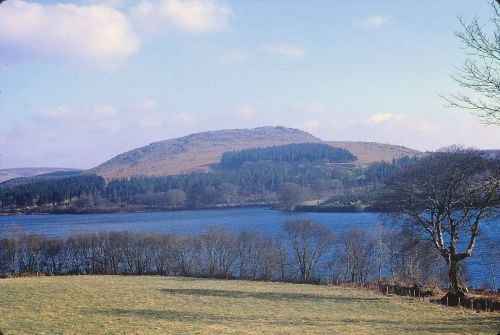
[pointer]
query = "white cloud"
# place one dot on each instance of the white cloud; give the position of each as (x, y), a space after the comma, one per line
(80, 113)
(305, 108)
(288, 51)
(68, 136)
(385, 117)
(152, 121)
(180, 120)
(95, 35)
(234, 57)
(311, 125)
(184, 119)
(428, 132)
(148, 104)
(142, 106)
(105, 111)
(145, 105)
(371, 21)
(189, 16)
(246, 112)
(112, 3)
(55, 112)
(111, 126)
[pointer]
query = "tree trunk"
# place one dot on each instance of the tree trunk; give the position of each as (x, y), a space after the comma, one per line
(454, 273)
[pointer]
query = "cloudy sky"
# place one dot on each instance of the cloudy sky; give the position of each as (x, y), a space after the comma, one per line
(82, 81)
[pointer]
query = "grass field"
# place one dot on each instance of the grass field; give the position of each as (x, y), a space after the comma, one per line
(164, 305)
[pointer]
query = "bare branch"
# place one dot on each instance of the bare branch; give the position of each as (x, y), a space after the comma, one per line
(479, 75)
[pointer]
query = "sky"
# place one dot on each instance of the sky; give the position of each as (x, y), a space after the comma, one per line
(83, 81)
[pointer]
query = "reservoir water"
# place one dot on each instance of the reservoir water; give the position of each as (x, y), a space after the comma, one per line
(189, 221)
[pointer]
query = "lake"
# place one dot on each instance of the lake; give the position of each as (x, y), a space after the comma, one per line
(265, 221)
(189, 221)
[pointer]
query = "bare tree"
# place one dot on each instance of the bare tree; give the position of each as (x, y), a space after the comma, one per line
(310, 242)
(249, 246)
(175, 197)
(291, 195)
(479, 75)
(54, 258)
(8, 255)
(258, 256)
(220, 250)
(269, 259)
(163, 252)
(137, 253)
(228, 192)
(357, 255)
(445, 197)
(115, 243)
(30, 252)
(282, 258)
(187, 251)
(490, 257)
(411, 259)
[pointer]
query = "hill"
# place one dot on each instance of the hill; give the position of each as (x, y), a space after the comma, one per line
(198, 152)
(247, 167)
(170, 305)
(195, 152)
(7, 174)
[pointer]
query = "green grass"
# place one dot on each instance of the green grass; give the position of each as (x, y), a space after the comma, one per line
(164, 305)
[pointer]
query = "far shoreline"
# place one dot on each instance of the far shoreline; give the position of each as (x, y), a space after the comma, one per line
(298, 209)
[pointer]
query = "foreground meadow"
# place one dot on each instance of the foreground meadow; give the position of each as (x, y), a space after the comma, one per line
(166, 305)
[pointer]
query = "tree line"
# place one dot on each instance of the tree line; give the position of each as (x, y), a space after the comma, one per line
(52, 192)
(289, 153)
(254, 182)
(307, 252)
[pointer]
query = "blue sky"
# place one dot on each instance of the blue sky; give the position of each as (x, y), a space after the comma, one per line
(83, 81)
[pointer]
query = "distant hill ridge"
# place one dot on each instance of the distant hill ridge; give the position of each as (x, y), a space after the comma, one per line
(59, 174)
(8, 174)
(198, 152)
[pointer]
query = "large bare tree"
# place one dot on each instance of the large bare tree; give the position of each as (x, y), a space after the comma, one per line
(446, 197)
(479, 75)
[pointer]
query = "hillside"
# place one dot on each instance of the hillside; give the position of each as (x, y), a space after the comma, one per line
(197, 152)
(7, 174)
(368, 152)
(169, 305)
